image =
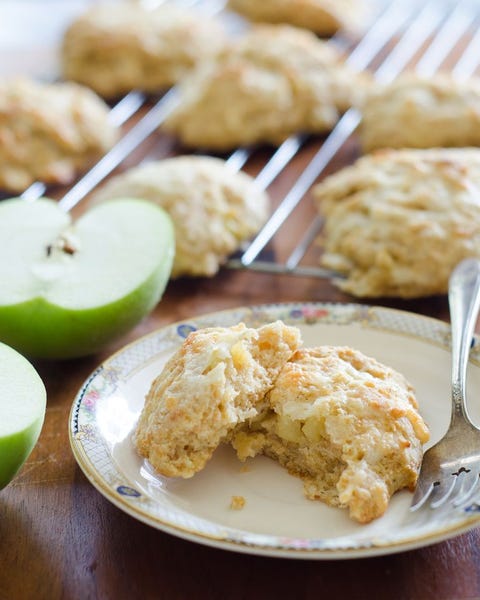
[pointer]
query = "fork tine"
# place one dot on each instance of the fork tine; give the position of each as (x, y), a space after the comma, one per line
(443, 490)
(469, 486)
(422, 493)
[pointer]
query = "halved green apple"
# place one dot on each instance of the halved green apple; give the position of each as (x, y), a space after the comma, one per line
(67, 289)
(22, 411)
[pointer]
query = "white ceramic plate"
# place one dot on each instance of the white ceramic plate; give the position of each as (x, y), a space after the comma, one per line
(276, 520)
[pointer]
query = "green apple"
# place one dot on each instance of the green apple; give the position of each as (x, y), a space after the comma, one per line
(67, 289)
(22, 410)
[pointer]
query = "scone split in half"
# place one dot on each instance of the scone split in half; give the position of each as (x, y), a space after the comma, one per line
(347, 425)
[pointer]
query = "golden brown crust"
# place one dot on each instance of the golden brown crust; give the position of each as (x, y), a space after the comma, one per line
(117, 47)
(324, 17)
(49, 132)
(212, 208)
(398, 221)
(419, 112)
(268, 84)
(217, 379)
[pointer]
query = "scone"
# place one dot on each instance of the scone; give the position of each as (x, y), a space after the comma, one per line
(116, 47)
(217, 379)
(273, 81)
(213, 209)
(398, 221)
(419, 112)
(324, 17)
(49, 132)
(347, 425)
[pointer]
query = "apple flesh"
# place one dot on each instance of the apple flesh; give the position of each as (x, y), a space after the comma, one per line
(68, 289)
(22, 411)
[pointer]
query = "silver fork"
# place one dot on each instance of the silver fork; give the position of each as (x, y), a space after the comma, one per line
(450, 470)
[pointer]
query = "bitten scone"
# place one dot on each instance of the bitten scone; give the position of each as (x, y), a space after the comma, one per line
(213, 209)
(217, 379)
(419, 112)
(398, 221)
(273, 81)
(324, 17)
(49, 132)
(116, 47)
(347, 425)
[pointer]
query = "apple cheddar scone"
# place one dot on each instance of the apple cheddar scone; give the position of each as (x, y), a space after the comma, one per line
(271, 82)
(398, 221)
(217, 379)
(422, 112)
(115, 47)
(212, 208)
(324, 17)
(49, 132)
(344, 423)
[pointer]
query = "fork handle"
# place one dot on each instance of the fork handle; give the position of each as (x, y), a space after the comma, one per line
(464, 303)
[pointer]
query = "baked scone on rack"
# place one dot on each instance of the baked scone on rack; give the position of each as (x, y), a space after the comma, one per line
(271, 82)
(115, 47)
(212, 208)
(217, 379)
(344, 423)
(398, 221)
(50, 132)
(421, 112)
(324, 17)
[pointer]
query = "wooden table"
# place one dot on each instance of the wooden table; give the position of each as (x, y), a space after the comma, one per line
(59, 538)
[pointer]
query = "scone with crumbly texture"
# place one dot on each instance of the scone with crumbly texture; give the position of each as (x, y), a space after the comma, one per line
(49, 132)
(347, 425)
(273, 81)
(324, 17)
(213, 209)
(421, 112)
(117, 47)
(217, 379)
(398, 221)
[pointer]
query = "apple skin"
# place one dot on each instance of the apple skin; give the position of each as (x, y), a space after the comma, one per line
(40, 323)
(22, 411)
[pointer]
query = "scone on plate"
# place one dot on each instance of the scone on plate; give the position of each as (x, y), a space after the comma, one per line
(119, 46)
(217, 379)
(213, 209)
(273, 81)
(344, 423)
(422, 112)
(324, 17)
(50, 132)
(398, 221)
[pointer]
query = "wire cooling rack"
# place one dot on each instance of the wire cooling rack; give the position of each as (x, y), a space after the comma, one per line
(402, 35)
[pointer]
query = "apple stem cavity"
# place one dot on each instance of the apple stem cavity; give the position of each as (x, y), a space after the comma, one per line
(66, 243)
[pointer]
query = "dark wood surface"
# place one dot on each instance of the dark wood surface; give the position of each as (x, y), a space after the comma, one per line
(59, 538)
